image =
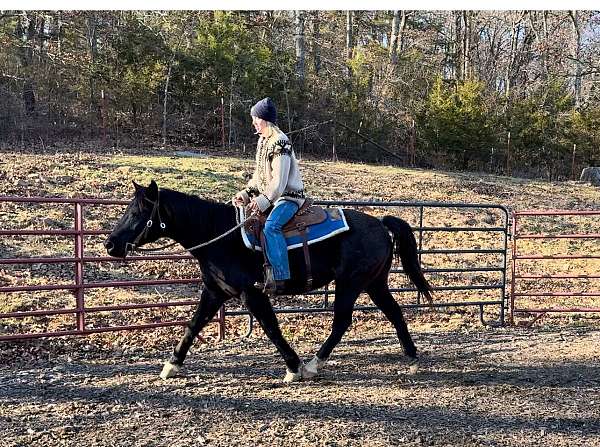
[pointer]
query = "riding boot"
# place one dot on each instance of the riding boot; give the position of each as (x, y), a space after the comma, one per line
(272, 286)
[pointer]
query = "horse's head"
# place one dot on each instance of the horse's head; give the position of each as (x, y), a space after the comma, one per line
(141, 223)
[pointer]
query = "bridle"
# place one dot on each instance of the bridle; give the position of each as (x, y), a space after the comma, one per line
(131, 247)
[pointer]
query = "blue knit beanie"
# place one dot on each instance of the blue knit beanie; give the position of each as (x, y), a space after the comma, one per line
(265, 109)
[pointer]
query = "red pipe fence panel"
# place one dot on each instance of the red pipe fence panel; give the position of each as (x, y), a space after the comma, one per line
(555, 262)
(465, 246)
(555, 267)
(40, 301)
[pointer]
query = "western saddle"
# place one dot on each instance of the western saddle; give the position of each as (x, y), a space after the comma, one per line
(308, 214)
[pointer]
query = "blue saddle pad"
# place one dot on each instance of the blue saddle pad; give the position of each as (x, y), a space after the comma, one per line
(335, 223)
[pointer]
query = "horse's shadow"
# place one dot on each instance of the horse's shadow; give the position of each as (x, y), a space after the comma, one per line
(484, 366)
(184, 395)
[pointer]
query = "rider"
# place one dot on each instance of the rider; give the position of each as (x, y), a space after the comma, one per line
(276, 182)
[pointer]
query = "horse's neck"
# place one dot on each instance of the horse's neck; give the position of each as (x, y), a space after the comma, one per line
(194, 220)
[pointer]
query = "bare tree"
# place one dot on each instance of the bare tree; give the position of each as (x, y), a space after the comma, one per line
(466, 44)
(300, 46)
(538, 21)
(92, 42)
(398, 25)
(574, 15)
(26, 29)
(316, 48)
(349, 40)
(512, 64)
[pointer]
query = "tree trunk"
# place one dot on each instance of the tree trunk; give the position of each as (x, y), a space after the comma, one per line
(316, 44)
(230, 125)
(287, 105)
(26, 29)
(300, 45)
(165, 101)
(574, 15)
(458, 45)
(466, 45)
(402, 29)
(545, 60)
(541, 37)
(92, 51)
(512, 56)
(349, 41)
(59, 32)
(394, 37)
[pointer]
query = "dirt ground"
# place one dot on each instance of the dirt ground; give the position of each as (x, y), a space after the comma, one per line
(477, 387)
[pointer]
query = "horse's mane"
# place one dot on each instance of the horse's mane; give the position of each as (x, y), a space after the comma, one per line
(212, 214)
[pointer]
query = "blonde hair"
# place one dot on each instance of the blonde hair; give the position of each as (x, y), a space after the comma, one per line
(275, 132)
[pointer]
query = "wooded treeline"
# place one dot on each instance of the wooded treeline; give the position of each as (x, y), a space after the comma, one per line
(513, 92)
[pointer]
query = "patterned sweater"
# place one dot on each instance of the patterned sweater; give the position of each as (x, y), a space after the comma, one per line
(276, 175)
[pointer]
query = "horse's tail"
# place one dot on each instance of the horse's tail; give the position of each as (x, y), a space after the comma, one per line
(405, 247)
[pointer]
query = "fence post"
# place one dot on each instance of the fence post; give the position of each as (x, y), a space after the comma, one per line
(103, 115)
(508, 154)
(79, 299)
(513, 269)
(573, 162)
(333, 152)
(222, 122)
(413, 144)
(221, 321)
(421, 211)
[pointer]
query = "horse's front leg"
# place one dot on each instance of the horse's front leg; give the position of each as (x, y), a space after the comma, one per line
(260, 306)
(210, 302)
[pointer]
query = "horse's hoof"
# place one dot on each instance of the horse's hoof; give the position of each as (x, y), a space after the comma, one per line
(169, 370)
(413, 367)
(311, 369)
(291, 376)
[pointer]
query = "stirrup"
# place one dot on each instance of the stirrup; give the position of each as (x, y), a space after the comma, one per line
(270, 286)
(274, 287)
(268, 276)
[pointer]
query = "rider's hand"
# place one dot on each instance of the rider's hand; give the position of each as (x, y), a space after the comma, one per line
(253, 206)
(238, 200)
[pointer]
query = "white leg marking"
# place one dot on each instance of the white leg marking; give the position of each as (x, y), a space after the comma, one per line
(169, 370)
(413, 367)
(312, 368)
(291, 376)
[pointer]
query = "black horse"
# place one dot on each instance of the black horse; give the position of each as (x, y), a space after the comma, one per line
(358, 260)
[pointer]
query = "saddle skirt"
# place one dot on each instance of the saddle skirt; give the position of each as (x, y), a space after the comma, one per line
(319, 224)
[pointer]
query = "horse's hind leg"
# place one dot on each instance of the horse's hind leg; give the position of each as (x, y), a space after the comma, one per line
(258, 304)
(381, 296)
(345, 297)
(210, 302)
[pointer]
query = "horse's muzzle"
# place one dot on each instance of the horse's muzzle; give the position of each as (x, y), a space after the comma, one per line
(113, 250)
(109, 245)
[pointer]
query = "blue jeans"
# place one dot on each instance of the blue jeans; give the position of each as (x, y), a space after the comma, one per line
(275, 242)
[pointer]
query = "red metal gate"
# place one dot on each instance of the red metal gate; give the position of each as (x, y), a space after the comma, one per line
(540, 273)
(531, 285)
(79, 286)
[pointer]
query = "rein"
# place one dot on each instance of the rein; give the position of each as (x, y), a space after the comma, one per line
(131, 247)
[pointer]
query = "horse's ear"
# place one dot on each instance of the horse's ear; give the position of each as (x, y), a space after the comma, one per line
(137, 187)
(152, 191)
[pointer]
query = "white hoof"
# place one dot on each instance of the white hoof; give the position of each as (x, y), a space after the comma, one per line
(413, 367)
(291, 376)
(311, 369)
(169, 370)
